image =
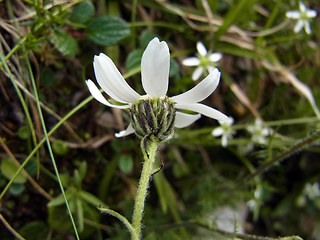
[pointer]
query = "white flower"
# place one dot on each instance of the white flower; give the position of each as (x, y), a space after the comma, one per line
(225, 130)
(303, 15)
(252, 204)
(204, 61)
(312, 190)
(258, 132)
(255, 203)
(155, 64)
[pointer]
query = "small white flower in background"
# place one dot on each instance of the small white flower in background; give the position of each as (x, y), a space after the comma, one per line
(312, 190)
(256, 202)
(155, 64)
(204, 61)
(225, 131)
(258, 132)
(302, 15)
(252, 204)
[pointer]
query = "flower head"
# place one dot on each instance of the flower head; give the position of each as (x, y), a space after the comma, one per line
(153, 112)
(312, 191)
(205, 61)
(303, 15)
(225, 131)
(258, 132)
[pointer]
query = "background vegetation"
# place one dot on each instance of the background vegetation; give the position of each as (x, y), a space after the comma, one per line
(57, 143)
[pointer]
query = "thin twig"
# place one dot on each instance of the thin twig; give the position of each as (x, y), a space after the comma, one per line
(8, 226)
(209, 14)
(46, 7)
(33, 182)
(285, 154)
(288, 76)
(222, 232)
(244, 99)
(48, 110)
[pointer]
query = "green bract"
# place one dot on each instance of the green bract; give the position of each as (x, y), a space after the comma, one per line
(153, 116)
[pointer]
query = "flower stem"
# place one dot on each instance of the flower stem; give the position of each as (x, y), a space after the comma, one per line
(149, 148)
(315, 136)
(132, 231)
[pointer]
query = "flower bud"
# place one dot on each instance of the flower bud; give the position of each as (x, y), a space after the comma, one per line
(153, 116)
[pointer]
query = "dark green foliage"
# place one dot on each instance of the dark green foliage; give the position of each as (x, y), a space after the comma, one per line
(107, 30)
(82, 12)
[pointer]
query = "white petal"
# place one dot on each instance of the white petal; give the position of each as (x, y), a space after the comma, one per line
(203, 109)
(229, 122)
(258, 123)
(201, 91)
(302, 6)
(251, 129)
(126, 132)
(265, 132)
(155, 64)
(95, 92)
(261, 140)
(197, 73)
(307, 27)
(211, 68)
(311, 13)
(215, 57)
(299, 26)
(293, 14)
(201, 49)
(192, 61)
(183, 119)
(111, 80)
(217, 132)
(224, 140)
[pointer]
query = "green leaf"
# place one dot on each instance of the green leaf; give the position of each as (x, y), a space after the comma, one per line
(24, 132)
(56, 201)
(236, 51)
(31, 167)
(9, 169)
(36, 230)
(134, 59)
(107, 30)
(161, 192)
(82, 169)
(180, 169)
(107, 178)
(16, 189)
(59, 147)
(125, 163)
(166, 195)
(83, 12)
(47, 77)
(234, 15)
(316, 202)
(77, 179)
(80, 214)
(145, 37)
(174, 69)
(65, 179)
(66, 44)
(91, 199)
(58, 219)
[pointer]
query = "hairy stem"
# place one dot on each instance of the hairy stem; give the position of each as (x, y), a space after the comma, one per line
(132, 231)
(149, 148)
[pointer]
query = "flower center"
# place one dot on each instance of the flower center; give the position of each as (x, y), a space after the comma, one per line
(204, 61)
(153, 116)
(304, 16)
